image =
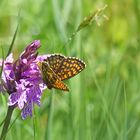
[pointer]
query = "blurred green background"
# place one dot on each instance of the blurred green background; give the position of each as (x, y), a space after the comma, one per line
(104, 99)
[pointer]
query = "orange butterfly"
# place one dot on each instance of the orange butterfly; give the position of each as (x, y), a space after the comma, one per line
(56, 68)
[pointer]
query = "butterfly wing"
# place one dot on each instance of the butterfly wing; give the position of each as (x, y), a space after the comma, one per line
(65, 67)
(55, 61)
(50, 78)
(70, 67)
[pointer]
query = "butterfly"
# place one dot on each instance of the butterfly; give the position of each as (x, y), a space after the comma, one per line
(56, 68)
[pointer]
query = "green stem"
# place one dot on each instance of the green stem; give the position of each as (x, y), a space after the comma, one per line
(7, 122)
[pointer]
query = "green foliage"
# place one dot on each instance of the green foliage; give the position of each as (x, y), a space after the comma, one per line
(104, 100)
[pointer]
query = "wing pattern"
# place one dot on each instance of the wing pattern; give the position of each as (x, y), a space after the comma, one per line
(65, 67)
(51, 79)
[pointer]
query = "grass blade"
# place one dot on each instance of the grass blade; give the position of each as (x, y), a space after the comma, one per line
(13, 40)
(48, 133)
(2, 62)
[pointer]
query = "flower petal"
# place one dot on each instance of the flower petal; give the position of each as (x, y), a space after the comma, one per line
(22, 100)
(27, 111)
(13, 98)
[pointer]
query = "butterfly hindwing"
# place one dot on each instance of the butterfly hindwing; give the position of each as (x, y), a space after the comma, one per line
(51, 79)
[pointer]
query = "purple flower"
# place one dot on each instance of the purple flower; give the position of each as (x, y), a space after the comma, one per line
(22, 79)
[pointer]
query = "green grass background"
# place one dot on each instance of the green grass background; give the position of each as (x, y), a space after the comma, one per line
(104, 99)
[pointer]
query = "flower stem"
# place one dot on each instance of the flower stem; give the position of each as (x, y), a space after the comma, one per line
(6, 122)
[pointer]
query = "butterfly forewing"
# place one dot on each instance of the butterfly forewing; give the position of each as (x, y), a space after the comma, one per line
(69, 68)
(55, 61)
(65, 67)
(51, 79)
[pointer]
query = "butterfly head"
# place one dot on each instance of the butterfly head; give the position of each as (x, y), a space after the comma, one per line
(39, 64)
